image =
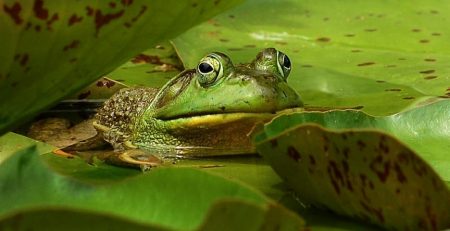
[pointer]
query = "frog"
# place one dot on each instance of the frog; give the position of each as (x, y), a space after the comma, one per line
(206, 111)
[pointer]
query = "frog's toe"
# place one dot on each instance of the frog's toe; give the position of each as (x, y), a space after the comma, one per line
(135, 158)
(62, 153)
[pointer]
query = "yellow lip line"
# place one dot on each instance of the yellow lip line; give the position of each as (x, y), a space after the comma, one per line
(229, 117)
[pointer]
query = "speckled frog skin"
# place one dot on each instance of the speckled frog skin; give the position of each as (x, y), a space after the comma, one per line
(209, 110)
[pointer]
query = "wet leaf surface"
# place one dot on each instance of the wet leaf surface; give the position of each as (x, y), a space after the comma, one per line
(352, 167)
(380, 57)
(177, 198)
(61, 49)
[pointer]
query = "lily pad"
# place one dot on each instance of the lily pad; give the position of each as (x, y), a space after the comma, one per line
(177, 198)
(152, 68)
(257, 217)
(52, 49)
(423, 129)
(381, 57)
(349, 165)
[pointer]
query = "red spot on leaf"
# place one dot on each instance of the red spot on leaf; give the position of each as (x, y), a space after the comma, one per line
(37, 28)
(127, 2)
(380, 168)
(74, 19)
(103, 19)
(89, 11)
(347, 175)
(419, 167)
(377, 212)
(24, 60)
(346, 151)
(361, 144)
(112, 4)
(400, 176)
(432, 217)
(84, 95)
(54, 18)
(43, 14)
(28, 26)
(74, 44)
(39, 10)
(427, 72)
(335, 176)
(363, 179)
(437, 185)
(143, 58)
(274, 143)
(293, 153)
(135, 18)
(312, 161)
(403, 157)
(14, 12)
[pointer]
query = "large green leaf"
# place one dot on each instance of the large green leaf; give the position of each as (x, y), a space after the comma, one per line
(172, 198)
(257, 218)
(250, 170)
(381, 56)
(424, 129)
(354, 168)
(51, 49)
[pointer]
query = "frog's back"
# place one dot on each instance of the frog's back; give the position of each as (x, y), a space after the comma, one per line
(119, 112)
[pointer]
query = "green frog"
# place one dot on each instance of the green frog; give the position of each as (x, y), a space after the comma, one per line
(209, 110)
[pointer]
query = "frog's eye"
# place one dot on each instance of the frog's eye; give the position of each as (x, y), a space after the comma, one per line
(209, 70)
(284, 64)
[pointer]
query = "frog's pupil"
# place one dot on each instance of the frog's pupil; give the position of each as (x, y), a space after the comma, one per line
(205, 67)
(286, 62)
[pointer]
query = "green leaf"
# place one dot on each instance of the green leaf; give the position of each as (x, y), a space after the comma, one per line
(56, 219)
(424, 129)
(256, 217)
(177, 198)
(51, 49)
(350, 165)
(151, 68)
(381, 56)
(10, 143)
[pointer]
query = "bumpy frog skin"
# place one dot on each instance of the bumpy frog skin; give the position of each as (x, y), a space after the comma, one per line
(209, 110)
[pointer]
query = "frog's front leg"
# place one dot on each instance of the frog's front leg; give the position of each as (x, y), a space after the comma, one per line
(135, 158)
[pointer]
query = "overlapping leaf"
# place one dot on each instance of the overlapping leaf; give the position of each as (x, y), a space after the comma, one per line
(170, 198)
(354, 168)
(51, 49)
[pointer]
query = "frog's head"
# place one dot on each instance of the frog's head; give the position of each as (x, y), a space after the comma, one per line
(217, 86)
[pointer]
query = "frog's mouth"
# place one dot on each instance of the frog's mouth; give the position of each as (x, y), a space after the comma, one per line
(167, 114)
(203, 119)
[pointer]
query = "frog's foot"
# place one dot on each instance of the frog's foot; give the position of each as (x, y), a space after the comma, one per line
(136, 158)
